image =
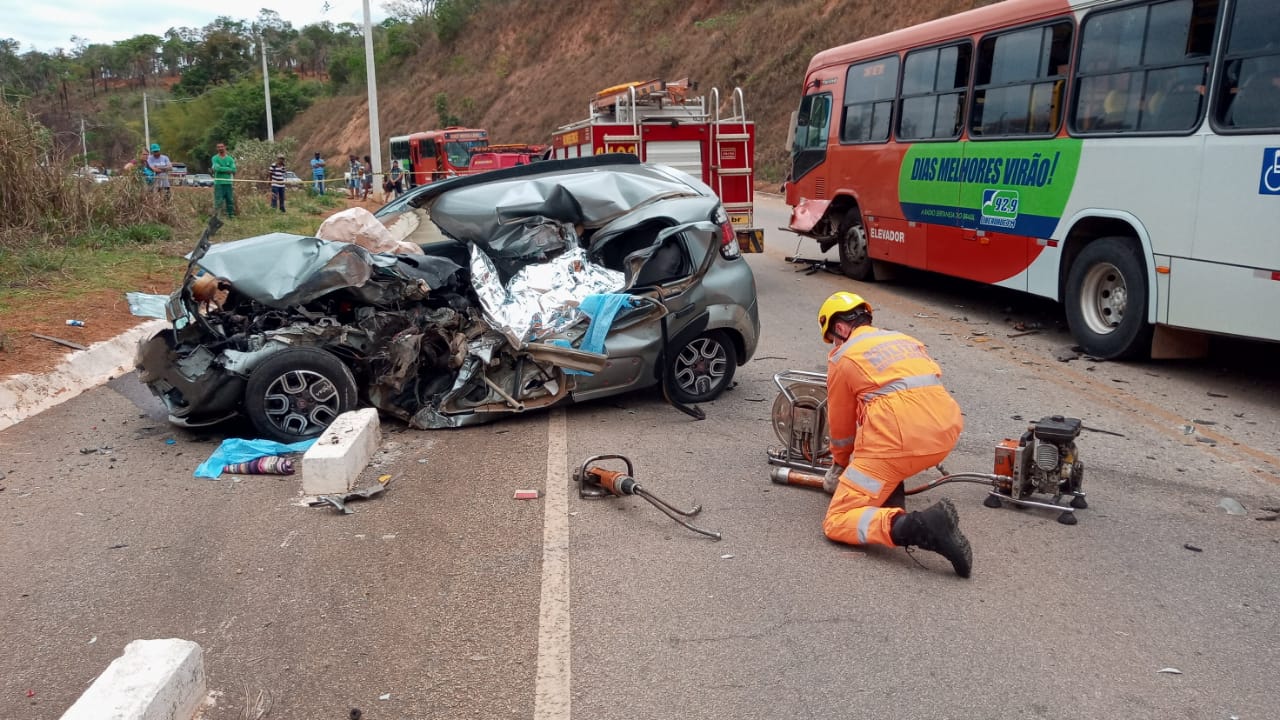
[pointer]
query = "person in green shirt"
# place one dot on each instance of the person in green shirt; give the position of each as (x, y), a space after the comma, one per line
(224, 167)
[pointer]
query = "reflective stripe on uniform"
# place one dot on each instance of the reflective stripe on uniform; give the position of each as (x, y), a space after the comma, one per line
(863, 482)
(864, 523)
(843, 442)
(907, 383)
(855, 338)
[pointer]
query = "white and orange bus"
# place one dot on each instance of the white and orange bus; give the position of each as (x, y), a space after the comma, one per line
(1119, 156)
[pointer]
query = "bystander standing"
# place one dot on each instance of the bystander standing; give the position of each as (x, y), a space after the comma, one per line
(277, 171)
(224, 170)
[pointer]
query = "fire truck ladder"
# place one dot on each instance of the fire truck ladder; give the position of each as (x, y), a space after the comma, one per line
(735, 136)
(661, 102)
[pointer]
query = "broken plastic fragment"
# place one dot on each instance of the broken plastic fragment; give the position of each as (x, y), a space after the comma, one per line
(1232, 506)
(1170, 671)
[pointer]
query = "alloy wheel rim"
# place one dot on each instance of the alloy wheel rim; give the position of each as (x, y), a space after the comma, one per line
(302, 402)
(701, 366)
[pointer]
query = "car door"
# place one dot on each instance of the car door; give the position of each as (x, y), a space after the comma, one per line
(664, 282)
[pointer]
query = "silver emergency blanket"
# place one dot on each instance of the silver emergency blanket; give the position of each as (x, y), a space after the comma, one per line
(478, 214)
(541, 299)
(281, 270)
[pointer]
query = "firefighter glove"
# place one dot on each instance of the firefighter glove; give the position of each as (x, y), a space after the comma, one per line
(832, 479)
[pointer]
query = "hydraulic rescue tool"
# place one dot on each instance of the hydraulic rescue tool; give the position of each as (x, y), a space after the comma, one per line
(595, 481)
(1044, 460)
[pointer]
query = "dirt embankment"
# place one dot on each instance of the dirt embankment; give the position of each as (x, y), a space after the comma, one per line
(521, 69)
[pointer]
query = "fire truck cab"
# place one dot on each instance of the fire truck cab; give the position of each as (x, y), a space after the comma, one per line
(660, 122)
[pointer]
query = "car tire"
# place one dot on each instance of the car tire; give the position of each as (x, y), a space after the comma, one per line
(294, 394)
(1106, 299)
(702, 368)
(855, 260)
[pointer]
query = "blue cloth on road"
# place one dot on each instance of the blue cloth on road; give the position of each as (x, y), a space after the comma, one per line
(237, 450)
(602, 309)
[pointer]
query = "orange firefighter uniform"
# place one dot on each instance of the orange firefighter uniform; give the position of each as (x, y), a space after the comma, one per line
(888, 410)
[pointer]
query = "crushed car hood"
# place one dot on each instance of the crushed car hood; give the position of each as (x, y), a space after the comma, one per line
(281, 270)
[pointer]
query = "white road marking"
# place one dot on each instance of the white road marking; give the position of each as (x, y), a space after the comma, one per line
(551, 691)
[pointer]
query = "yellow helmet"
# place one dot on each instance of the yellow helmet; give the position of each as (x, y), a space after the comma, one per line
(836, 305)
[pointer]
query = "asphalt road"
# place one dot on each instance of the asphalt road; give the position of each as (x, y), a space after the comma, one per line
(457, 601)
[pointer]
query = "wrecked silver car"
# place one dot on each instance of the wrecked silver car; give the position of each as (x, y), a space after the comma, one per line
(537, 285)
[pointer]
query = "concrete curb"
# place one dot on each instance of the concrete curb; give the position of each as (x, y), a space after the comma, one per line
(152, 680)
(22, 396)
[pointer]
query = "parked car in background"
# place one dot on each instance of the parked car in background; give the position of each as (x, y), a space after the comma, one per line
(292, 180)
(200, 180)
(178, 173)
(487, 321)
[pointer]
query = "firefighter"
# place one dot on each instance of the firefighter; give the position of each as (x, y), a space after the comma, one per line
(889, 418)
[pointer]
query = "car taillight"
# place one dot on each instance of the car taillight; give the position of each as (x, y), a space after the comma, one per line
(728, 241)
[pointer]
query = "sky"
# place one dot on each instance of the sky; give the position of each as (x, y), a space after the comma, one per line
(47, 24)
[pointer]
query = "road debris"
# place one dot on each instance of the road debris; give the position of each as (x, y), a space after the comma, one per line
(1192, 548)
(926, 316)
(269, 465)
(238, 450)
(526, 495)
(1067, 354)
(1023, 334)
(60, 341)
(384, 696)
(1232, 506)
(1169, 671)
(1216, 395)
(1103, 432)
(339, 501)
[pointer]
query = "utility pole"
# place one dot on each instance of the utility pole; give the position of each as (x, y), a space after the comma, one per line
(146, 123)
(375, 152)
(84, 148)
(266, 87)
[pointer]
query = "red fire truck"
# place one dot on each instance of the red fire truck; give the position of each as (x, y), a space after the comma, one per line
(495, 157)
(661, 122)
(436, 154)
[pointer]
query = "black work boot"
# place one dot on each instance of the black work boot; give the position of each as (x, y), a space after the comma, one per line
(936, 529)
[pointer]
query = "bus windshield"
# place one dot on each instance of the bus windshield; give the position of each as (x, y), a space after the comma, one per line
(459, 151)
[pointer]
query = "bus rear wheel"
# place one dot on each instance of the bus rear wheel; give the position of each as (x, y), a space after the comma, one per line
(1106, 300)
(854, 261)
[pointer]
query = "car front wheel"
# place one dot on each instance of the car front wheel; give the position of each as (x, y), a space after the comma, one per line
(296, 393)
(703, 368)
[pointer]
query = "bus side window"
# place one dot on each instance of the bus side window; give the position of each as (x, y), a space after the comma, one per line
(1255, 103)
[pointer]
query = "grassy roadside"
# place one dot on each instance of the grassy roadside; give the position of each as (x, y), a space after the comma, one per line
(46, 280)
(123, 258)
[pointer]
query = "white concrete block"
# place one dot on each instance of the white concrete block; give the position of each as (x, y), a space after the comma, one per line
(152, 680)
(333, 463)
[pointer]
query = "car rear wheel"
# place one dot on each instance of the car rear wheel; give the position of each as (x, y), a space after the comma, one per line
(703, 368)
(296, 393)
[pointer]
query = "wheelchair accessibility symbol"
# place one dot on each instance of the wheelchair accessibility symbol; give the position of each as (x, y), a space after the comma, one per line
(1269, 184)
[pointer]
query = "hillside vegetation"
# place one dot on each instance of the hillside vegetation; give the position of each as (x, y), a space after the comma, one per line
(521, 69)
